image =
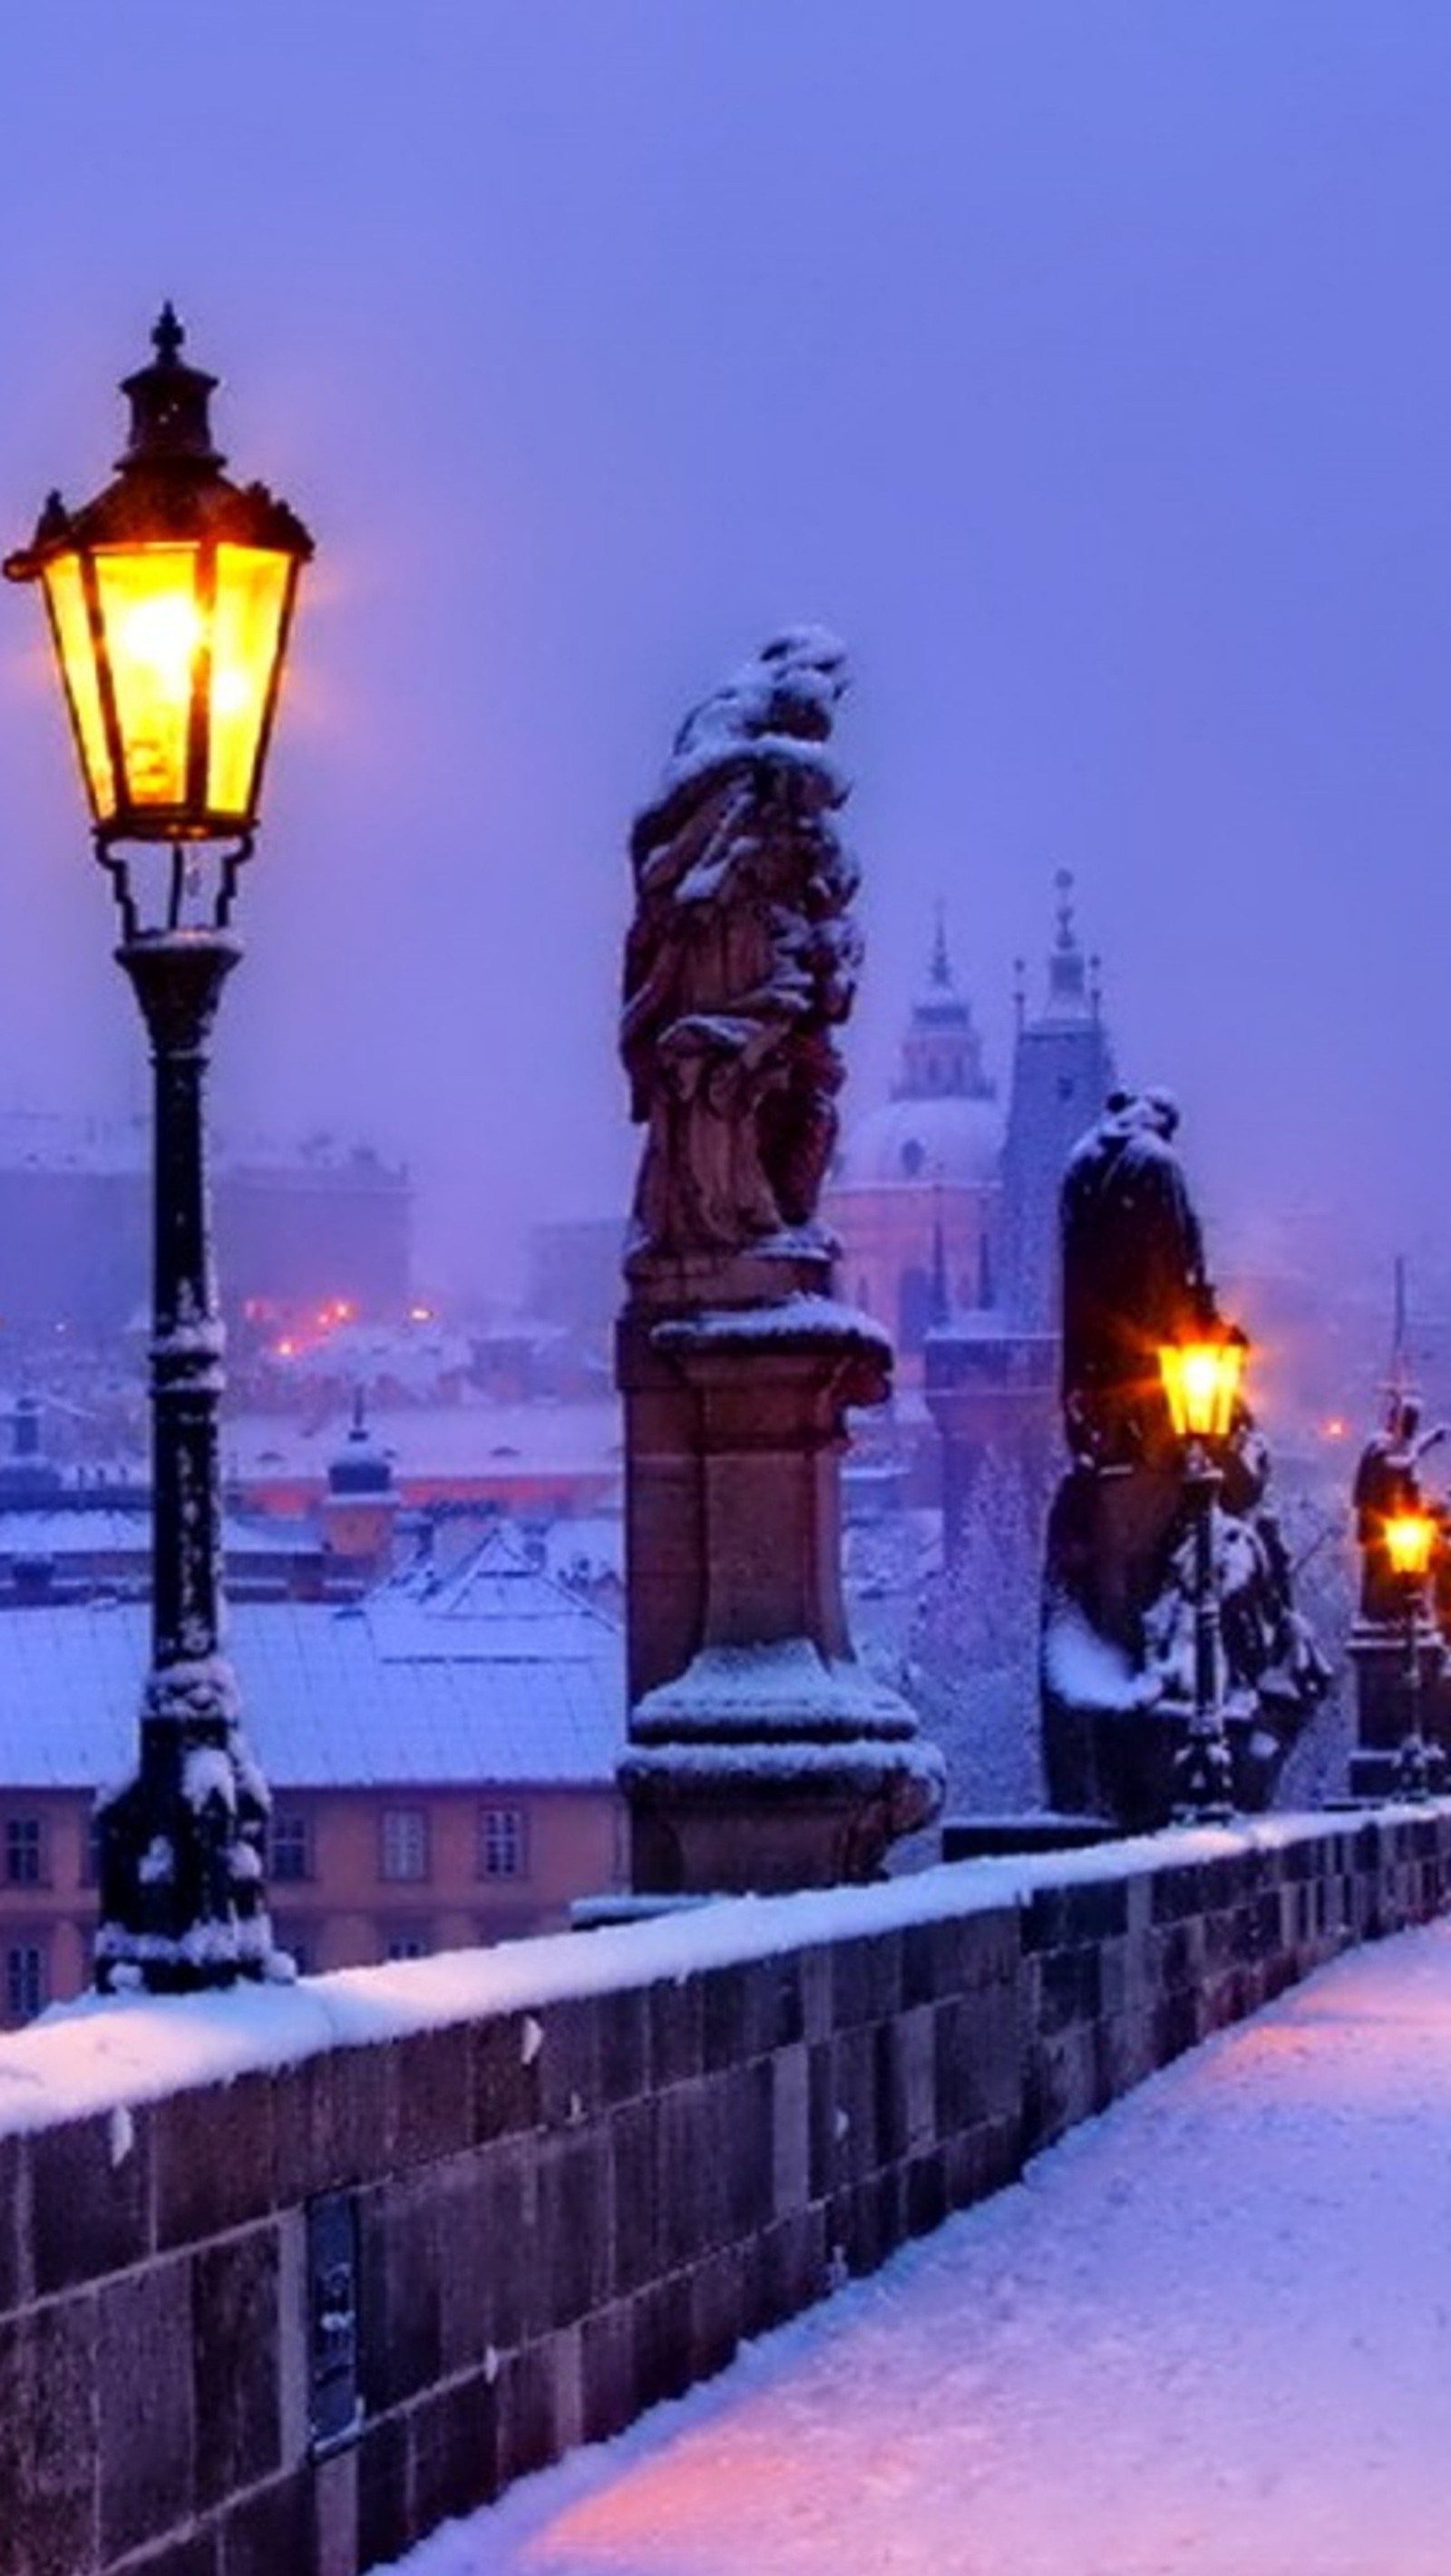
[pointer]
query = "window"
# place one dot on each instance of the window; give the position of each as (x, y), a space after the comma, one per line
(25, 1851)
(503, 1845)
(91, 1852)
(290, 1844)
(404, 1843)
(25, 1981)
(406, 1945)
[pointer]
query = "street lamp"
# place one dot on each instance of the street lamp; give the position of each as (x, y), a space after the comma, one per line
(1409, 1538)
(1201, 1381)
(170, 597)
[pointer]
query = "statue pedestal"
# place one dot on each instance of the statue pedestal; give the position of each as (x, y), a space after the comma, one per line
(762, 1755)
(1379, 1660)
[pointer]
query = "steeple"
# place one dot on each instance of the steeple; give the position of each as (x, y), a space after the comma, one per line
(941, 1048)
(1068, 993)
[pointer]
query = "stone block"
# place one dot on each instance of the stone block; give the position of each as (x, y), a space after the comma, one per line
(663, 2340)
(689, 2173)
(868, 2221)
(675, 2015)
(1175, 2023)
(524, 2413)
(275, 2528)
(854, 2105)
(90, 2199)
(790, 2131)
(635, 2211)
(623, 2041)
(48, 2483)
(236, 2351)
(214, 2153)
(816, 1982)
(866, 1980)
(977, 2060)
(1068, 1989)
(747, 2147)
(786, 2270)
(16, 2224)
(506, 2075)
(400, 2290)
(572, 2247)
(569, 2062)
(430, 2088)
(453, 2452)
(147, 2430)
(1177, 1893)
(1061, 2085)
(717, 2309)
(384, 2526)
(925, 2180)
(981, 2161)
(330, 2122)
(732, 2017)
(607, 2371)
(334, 2518)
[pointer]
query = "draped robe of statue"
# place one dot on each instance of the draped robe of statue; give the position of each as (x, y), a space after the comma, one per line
(741, 962)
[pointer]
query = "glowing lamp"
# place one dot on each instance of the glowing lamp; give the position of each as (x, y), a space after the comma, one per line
(1409, 1538)
(170, 596)
(1201, 1383)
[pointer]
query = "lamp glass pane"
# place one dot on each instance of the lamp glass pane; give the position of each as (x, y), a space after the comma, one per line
(251, 596)
(75, 651)
(153, 629)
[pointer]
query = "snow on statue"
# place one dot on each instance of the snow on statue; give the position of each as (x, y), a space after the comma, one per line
(741, 960)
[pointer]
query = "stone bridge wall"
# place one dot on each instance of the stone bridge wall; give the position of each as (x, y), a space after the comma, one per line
(577, 2173)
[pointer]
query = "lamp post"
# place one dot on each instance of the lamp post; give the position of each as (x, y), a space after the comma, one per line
(170, 596)
(1409, 1538)
(1201, 1381)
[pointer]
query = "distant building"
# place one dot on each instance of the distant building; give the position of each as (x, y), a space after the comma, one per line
(916, 1183)
(441, 1759)
(294, 1232)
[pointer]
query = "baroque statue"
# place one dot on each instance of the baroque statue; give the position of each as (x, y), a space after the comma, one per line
(741, 960)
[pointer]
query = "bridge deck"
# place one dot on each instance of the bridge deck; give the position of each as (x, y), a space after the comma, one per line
(1209, 2334)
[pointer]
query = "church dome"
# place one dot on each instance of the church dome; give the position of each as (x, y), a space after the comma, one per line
(942, 1121)
(955, 1138)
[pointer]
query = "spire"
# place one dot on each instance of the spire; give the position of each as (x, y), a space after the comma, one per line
(941, 1049)
(1067, 966)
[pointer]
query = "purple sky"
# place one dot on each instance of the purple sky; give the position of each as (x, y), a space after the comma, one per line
(1085, 366)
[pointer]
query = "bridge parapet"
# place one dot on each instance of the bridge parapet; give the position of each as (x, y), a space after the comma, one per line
(287, 2278)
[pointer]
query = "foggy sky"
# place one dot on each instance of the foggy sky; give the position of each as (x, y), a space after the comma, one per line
(1085, 366)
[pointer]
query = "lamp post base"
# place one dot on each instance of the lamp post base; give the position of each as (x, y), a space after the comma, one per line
(182, 1851)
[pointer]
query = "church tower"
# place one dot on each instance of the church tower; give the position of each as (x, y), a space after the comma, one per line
(1062, 1074)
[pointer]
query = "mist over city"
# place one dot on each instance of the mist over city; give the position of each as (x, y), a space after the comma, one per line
(1078, 367)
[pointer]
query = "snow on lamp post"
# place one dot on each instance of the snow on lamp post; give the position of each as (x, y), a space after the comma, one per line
(170, 596)
(1409, 1540)
(1201, 1380)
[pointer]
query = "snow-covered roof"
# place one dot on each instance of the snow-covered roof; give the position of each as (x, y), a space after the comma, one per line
(499, 1676)
(444, 1439)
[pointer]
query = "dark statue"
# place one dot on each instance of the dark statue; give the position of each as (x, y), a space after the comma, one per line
(1118, 1647)
(741, 960)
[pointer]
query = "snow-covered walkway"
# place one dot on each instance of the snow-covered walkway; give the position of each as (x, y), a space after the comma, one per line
(1211, 2332)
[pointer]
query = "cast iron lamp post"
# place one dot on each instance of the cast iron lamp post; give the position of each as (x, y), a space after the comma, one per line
(1409, 1538)
(170, 596)
(1201, 1383)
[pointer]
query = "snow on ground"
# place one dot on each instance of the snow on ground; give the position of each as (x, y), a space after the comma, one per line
(1209, 2335)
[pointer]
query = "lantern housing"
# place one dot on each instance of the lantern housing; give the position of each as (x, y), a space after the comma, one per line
(170, 598)
(1201, 1383)
(1409, 1538)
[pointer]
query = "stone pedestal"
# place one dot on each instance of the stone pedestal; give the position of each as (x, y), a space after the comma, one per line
(762, 1755)
(1379, 1659)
